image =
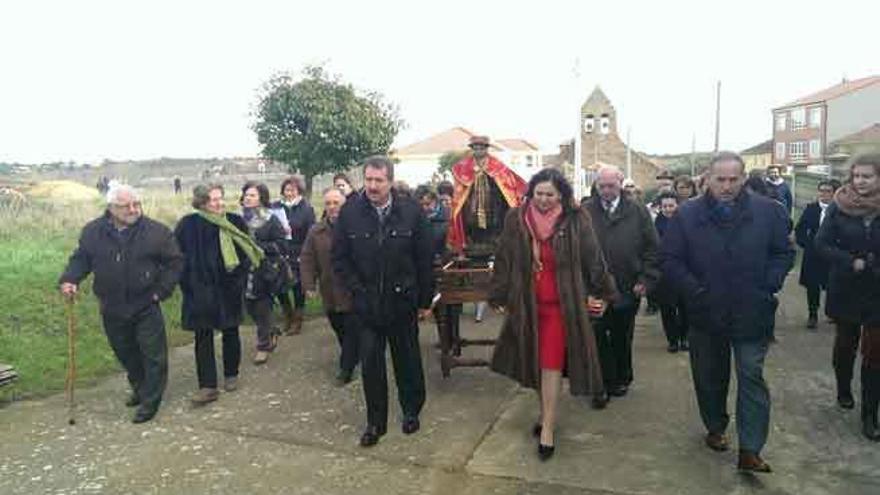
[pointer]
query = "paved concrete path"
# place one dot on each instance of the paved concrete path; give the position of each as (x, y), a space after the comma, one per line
(289, 430)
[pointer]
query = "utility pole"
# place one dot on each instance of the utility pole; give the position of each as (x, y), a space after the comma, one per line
(578, 159)
(717, 114)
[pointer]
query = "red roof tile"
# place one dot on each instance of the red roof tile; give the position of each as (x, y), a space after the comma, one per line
(866, 135)
(455, 139)
(765, 147)
(517, 144)
(835, 91)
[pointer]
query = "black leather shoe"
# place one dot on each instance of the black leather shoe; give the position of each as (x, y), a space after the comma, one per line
(717, 442)
(144, 414)
(343, 378)
(600, 401)
(618, 391)
(812, 322)
(846, 401)
(870, 430)
(133, 400)
(683, 346)
(545, 452)
(410, 425)
(371, 436)
(672, 348)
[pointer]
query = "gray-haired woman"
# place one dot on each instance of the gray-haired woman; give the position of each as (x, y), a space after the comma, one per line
(218, 255)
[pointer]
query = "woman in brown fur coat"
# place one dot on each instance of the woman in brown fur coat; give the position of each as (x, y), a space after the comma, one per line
(549, 279)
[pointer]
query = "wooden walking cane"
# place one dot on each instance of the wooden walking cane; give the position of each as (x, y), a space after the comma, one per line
(71, 358)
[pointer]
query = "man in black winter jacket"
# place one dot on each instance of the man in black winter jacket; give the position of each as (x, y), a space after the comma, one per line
(382, 250)
(136, 263)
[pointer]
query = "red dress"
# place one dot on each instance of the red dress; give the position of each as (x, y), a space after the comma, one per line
(551, 325)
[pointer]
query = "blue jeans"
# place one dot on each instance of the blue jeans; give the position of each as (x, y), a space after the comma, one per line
(710, 365)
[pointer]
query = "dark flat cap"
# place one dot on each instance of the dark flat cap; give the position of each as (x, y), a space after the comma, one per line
(478, 141)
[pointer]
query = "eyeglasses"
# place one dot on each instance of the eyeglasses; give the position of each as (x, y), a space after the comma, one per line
(135, 205)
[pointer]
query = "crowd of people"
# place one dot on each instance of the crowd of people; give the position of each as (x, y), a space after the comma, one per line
(711, 252)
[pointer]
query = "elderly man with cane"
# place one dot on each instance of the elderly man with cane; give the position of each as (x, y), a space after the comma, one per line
(136, 263)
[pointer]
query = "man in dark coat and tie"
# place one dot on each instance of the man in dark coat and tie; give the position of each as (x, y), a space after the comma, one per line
(814, 269)
(629, 243)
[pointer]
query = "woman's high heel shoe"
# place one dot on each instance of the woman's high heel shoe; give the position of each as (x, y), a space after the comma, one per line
(545, 452)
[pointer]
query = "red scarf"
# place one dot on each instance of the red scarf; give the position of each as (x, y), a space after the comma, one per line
(541, 226)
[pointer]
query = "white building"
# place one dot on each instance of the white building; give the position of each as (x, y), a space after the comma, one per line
(418, 163)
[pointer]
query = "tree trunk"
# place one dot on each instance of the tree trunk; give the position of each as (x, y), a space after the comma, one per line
(309, 178)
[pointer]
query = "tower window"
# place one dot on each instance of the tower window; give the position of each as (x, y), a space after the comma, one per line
(605, 124)
(589, 123)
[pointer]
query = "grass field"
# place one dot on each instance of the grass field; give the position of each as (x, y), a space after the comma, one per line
(35, 241)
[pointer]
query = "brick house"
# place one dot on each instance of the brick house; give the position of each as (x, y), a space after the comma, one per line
(804, 128)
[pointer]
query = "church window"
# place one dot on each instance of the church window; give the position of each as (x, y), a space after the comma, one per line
(589, 123)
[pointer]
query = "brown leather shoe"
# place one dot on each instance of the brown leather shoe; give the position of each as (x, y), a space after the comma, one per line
(261, 357)
(717, 442)
(752, 463)
(294, 323)
(204, 396)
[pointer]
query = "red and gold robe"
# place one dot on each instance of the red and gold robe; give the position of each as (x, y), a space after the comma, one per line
(511, 185)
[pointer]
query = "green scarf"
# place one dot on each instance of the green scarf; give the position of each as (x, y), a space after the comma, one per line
(230, 237)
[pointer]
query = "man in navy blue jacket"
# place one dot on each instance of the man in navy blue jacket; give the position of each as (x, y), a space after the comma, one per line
(814, 269)
(728, 253)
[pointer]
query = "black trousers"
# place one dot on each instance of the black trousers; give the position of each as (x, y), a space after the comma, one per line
(403, 337)
(206, 363)
(614, 336)
(140, 345)
(345, 327)
(814, 293)
(675, 322)
(846, 346)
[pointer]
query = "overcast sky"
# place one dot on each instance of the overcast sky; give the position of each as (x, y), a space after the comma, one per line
(91, 80)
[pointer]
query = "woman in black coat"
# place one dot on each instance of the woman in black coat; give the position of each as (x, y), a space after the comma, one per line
(212, 287)
(271, 276)
(300, 217)
(849, 239)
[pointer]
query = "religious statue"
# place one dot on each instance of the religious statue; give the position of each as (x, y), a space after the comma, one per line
(485, 189)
